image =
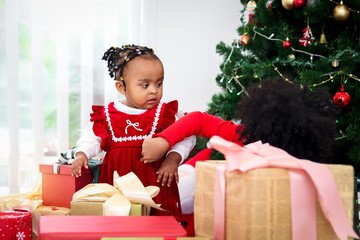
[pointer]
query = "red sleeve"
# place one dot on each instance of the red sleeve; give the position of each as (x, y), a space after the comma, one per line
(170, 111)
(201, 124)
(100, 128)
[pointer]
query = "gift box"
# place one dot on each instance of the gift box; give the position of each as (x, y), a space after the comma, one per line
(97, 227)
(96, 209)
(128, 197)
(15, 224)
(58, 186)
(257, 203)
(27, 202)
(87, 208)
(46, 210)
(262, 192)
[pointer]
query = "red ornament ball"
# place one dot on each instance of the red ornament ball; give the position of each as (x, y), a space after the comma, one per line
(286, 44)
(342, 98)
(269, 3)
(299, 3)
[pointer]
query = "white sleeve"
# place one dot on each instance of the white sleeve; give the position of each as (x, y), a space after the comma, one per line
(88, 143)
(185, 146)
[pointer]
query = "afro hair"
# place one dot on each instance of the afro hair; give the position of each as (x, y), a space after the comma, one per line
(289, 116)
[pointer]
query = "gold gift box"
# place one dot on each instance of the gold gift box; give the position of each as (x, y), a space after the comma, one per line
(258, 202)
(96, 209)
(46, 210)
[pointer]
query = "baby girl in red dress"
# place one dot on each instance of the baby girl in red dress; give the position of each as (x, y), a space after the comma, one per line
(120, 128)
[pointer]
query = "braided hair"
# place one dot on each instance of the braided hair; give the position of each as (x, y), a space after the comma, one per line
(117, 59)
(289, 116)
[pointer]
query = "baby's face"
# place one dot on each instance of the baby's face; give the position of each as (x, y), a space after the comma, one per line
(144, 83)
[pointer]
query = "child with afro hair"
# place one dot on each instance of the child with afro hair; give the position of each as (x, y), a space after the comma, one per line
(291, 117)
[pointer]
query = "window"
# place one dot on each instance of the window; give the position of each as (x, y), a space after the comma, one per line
(51, 73)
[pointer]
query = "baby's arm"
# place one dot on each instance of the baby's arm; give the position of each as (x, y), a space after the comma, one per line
(176, 156)
(169, 169)
(194, 123)
(200, 124)
(184, 147)
(153, 149)
(80, 160)
(88, 146)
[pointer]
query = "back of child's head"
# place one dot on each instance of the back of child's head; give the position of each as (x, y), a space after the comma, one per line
(289, 116)
(118, 58)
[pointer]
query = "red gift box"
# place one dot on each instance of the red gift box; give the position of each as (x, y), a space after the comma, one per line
(158, 238)
(58, 186)
(15, 225)
(96, 227)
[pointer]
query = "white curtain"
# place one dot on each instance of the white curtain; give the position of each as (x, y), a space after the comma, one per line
(51, 73)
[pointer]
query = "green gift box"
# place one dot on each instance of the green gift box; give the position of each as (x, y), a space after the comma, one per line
(96, 209)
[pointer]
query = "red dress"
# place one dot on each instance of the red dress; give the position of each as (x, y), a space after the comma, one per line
(122, 137)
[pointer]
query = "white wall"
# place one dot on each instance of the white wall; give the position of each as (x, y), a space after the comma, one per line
(186, 33)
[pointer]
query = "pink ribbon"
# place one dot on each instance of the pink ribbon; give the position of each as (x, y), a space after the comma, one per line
(306, 177)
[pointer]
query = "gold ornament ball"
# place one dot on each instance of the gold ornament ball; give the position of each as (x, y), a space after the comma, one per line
(341, 12)
(291, 57)
(288, 4)
(251, 6)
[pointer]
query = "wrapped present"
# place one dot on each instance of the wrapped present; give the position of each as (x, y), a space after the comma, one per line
(46, 210)
(96, 209)
(261, 192)
(16, 224)
(122, 199)
(58, 186)
(23, 201)
(31, 200)
(86, 208)
(97, 227)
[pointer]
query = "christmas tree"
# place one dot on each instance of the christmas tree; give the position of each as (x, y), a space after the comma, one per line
(312, 42)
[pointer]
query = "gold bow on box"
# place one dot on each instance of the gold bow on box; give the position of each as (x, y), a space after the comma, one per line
(117, 199)
(31, 200)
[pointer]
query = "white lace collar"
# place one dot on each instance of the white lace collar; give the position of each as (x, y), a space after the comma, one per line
(132, 138)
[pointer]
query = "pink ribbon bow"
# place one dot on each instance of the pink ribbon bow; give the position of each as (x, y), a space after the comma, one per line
(305, 176)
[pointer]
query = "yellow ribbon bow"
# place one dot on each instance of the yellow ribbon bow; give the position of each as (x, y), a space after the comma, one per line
(117, 199)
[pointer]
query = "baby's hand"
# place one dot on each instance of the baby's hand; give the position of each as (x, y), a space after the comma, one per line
(153, 149)
(80, 160)
(169, 169)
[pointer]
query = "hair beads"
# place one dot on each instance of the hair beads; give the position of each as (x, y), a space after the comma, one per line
(118, 57)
